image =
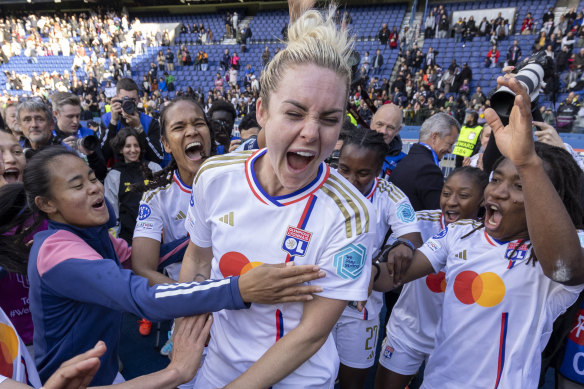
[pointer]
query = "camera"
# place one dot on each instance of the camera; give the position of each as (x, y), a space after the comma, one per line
(89, 142)
(128, 105)
(531, 74)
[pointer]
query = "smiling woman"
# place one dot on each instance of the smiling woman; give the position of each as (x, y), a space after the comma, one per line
(78, 289)
(522, 263)
(292, 191)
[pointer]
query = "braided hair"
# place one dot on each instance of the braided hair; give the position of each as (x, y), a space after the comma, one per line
(566, 177)
(164, 176)
(368, 139)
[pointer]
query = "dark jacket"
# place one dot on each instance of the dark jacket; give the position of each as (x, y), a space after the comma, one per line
(151, 136)
(419, 178)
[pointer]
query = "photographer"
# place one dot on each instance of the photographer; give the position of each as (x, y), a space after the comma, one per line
(222, 117)
(69, 132)
(248, 130)
(124, 113)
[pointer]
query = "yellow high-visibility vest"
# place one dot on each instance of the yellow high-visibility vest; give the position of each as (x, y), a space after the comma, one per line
(467, 140)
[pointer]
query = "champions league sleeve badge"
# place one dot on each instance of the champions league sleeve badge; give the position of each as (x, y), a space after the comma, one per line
(296, 241)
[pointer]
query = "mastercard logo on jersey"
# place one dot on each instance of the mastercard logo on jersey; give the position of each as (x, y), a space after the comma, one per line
(8, 350)
(485, 289)
(234, 264)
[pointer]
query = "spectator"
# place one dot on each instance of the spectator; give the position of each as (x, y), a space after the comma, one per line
(430, 25)
(266, 56)
(479, 96)
(527, 26)
(68, 131)
(383, 34)
(124, 114)
(513, 54)
(492, 57)
(458, 29)
(204, 60)
(130, 169)
(393, 38)
(567, 112)
(218, 82)
(35, 119)
(226, 60)
(562, 59)
(377, 62)
(366, 62)
(161, 60)
(222, 117)
(11, 120)
(443, 27)
(388, 121)
(234, 61)
(169, 60)
(418, 174)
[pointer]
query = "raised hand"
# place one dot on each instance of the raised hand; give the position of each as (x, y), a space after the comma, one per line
(515, 140)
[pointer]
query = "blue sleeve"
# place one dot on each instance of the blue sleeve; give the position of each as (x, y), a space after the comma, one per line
(102, 282)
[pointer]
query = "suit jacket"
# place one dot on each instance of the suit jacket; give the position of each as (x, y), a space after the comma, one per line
(419, 178)
(378, 61)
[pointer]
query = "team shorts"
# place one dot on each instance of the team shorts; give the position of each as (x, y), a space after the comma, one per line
(399, 358)
(356, 341)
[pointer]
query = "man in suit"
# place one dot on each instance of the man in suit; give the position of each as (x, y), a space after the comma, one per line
(377, 62)
(418, 174)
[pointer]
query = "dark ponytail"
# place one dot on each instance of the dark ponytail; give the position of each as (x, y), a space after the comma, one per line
(18, 223)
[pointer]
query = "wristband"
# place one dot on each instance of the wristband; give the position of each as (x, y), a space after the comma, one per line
(406, 242)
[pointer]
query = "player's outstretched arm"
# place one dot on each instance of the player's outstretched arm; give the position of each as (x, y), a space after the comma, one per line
(551, 231)
(402, 266)
(283, 283)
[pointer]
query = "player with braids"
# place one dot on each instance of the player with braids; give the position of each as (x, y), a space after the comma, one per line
(360, 162)
(307, 213)
(411, 328)
(186, 135)
(498, 313)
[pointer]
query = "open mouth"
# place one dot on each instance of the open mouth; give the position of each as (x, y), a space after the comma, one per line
(492, 216)
(451, 216)
(194, 151)
(298, 160)
(99, 204)
(11, 175)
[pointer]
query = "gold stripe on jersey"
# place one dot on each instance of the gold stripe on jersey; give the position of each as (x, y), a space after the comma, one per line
(337, 200)
(431, 216)
(226, 157)
(211, 164)
(392, 191)
(352, 204)
(148, 195)
(428, 219)
(358, 198)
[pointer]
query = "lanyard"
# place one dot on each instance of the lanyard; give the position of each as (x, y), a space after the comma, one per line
(434, 155)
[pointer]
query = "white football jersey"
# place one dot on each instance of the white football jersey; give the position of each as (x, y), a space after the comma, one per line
(498, 311)
(327, 223)
(17, 363)
(393, 211)
(163, 212)
(415, 315)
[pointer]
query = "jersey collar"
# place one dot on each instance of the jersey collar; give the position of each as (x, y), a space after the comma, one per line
(492, 241)
(184, 187)
(259, 192)
(369, 195)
